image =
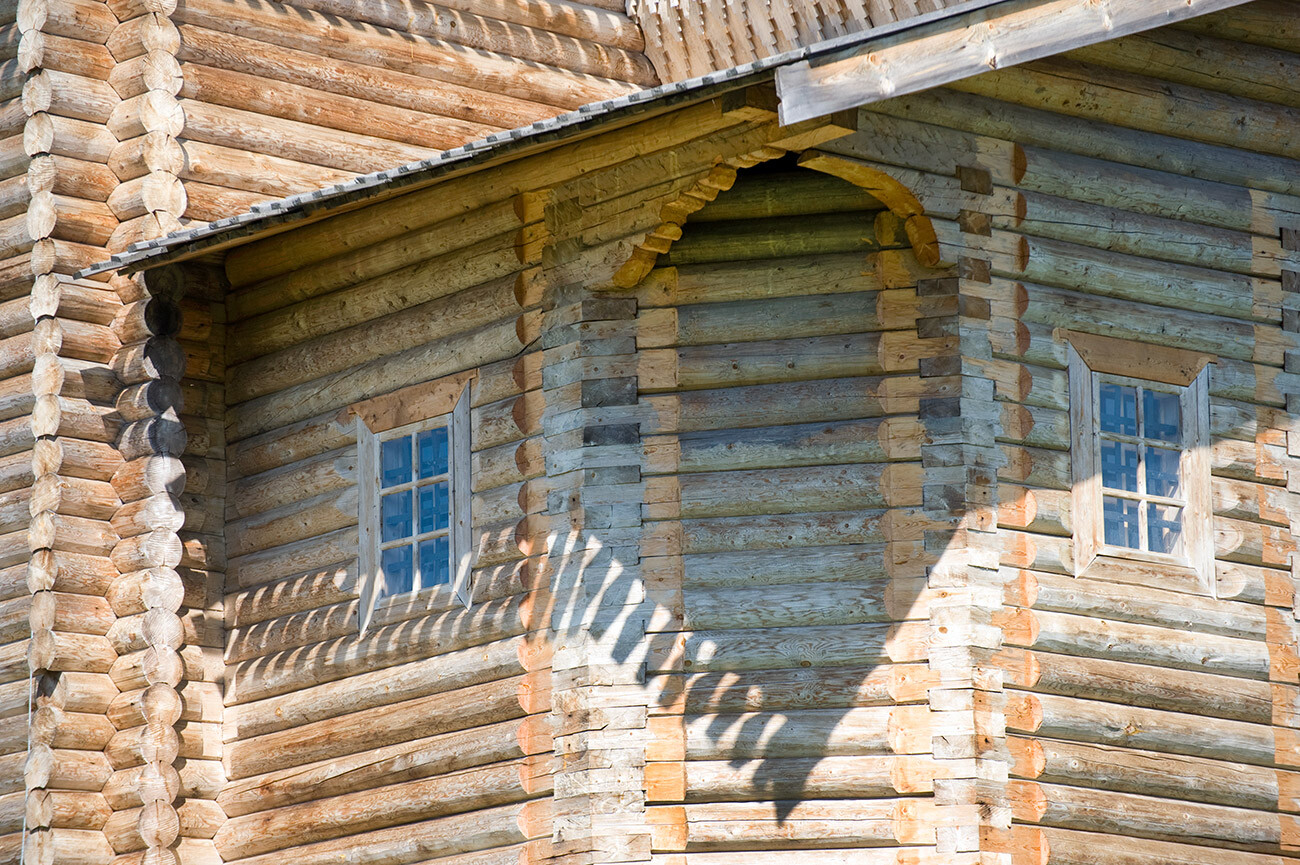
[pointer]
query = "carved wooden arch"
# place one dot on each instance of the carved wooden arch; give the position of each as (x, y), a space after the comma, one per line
(887, 190)
(673, 215)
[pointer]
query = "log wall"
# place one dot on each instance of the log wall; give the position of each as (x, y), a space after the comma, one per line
(781, 534)
(1141, 718)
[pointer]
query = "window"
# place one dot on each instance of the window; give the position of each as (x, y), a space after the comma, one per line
(1139, 456)
(415, 502)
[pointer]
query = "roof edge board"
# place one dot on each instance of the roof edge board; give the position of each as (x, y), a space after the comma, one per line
(960, 46)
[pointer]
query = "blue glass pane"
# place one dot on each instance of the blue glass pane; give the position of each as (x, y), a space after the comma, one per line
(1119, 409)
(1165, 529)
(395, 462)
(435, 507)
(1162, 418)
(1119, 465)
(435, 562)
(1162, 471)
(1121, 521)
(398, 573)
(395, 516)
(432, 448)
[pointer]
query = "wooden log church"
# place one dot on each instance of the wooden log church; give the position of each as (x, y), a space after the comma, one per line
(845, 432)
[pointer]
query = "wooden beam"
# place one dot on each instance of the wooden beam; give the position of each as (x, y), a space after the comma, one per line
(996, 37)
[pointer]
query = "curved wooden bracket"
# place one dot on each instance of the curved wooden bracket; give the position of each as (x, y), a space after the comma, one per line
(674, 214)
(898, 198)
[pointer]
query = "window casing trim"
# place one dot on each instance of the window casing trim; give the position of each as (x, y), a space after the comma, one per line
(1194, 569)
(457, 422)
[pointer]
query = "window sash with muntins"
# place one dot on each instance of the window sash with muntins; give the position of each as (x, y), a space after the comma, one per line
(1144, 445)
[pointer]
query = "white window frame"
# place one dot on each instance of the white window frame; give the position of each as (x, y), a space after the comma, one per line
(457, 422)
(1092, 555)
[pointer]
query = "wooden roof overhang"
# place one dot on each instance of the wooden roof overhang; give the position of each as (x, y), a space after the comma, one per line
(901, 57)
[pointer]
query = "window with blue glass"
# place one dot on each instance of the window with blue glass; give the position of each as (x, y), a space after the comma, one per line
(415, 522)
(1139, 462)
(1141, 440)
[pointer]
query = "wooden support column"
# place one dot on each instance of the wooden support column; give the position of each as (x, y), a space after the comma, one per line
(598, 621)
(1282, 637)
(149, 669)
(149, 199)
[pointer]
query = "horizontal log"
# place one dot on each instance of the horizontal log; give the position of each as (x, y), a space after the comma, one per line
(67, 769)
(425, 57)
(423, 363)
(296, 103)
(1093, 848)
(71, 96)
(288, 632)
(320, 551)
(357, 80)
(759, 649)
(812, 235)
(294, 522)
(337, 659)
(1100, 723)
(831, 777)
(350, 813)
(801, 490)
(435, 838)
(363, 691)
(791, 690)
(1145, 772)
(289, 139)
(346, 734)
(230, 168)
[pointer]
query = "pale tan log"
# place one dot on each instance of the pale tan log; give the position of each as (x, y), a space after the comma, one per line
(76, 497)
(376, 122)
(1093, 848)
(827, 778)
(76, 730)
(1135, 101)
(67, 770)
(280, 562)
(149, 666)
(140, 745)
(68, 137)
(77, 810)
(83, 692)
(200, 818)
(207, 203)
(213, 167)
(131, 787)
(14, 698)
(1145, 772)
(749, 649)
(471, 242)
(371, 690)
(493, 621)
(1149, 729)
(153, 70)
(372, 83)
(285, 445)
(360, 344)
(153, 151)
(58, 651)
(156, 191)
(14, 195)
(14, 156)
(14, 730)
(407, 761)
(76, 19)
(471, 790)
(331, 471)
(88, 614)
(423, 363)
(1129, 814)
(71, 571)
(311, 31)
(150, 475)
(154, 704)
(298, 629)
(66, 95)
(153, 825)
(294, 522)
(157, 627)
(476, 706)
(287, 139)
(431, 839)
(74, 56)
